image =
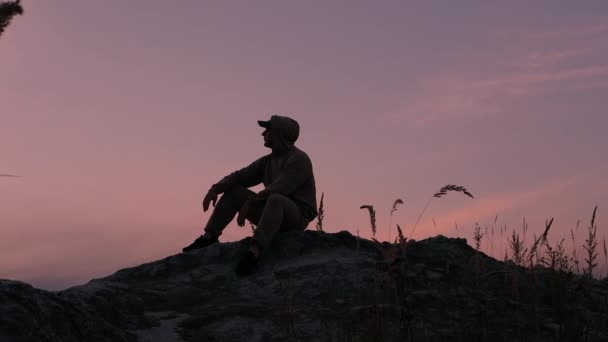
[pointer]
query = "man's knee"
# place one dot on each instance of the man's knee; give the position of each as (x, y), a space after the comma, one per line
(237, 193)
(233, 190)
(275, 200)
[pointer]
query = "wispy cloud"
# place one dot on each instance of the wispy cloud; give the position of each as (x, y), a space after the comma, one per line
(546, 59)
(534, 78)
(586, 30)
(448, 96)
(567, 59)
(425, 119)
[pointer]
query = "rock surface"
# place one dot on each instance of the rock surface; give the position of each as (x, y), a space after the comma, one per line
(315, 286)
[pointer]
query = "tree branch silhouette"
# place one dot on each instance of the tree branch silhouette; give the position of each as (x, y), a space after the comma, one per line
(7, 175)
(7, 11)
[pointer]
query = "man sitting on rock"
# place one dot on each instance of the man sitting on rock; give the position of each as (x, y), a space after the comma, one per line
(287, 203)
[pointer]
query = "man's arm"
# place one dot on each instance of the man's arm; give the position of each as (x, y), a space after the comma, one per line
(298, 169)
(249, 176)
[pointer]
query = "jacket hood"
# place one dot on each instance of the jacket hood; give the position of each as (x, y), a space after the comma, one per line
(285, 132)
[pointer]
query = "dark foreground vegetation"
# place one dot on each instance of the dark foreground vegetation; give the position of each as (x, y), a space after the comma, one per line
(317, 286)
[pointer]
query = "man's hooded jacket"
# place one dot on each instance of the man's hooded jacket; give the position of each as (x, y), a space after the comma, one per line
(287, 170)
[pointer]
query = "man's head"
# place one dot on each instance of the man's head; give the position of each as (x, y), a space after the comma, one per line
(280, 133)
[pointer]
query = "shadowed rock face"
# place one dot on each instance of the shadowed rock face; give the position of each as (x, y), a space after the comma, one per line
(314, 286)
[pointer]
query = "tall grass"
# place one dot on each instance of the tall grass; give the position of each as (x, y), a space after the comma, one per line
(543, 237)
(477, 236)
(492, 235)
(401, 238)
(555, 290)
(372, 217)
(439, 194)
(321, 214)
(574, 255)
(555, 256)
(443, 191)
(518, 250)
(393, 210)
(591, 247)
(540, 253)
(606, 258)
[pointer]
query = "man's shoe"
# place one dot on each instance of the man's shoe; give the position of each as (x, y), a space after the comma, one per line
(201, 242)
(247, 264)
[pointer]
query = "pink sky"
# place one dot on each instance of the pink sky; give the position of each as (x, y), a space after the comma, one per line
(120, 115)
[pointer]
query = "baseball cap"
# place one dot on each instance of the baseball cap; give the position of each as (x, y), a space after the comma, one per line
(265, 124)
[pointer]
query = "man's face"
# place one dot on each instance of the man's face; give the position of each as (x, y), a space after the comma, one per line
(267, 137)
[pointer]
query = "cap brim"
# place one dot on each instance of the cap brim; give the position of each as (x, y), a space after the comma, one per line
(265, 124)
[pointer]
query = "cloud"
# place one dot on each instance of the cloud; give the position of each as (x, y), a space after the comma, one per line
(447, 96)
(546, 59)
(533, 78)
(585, 30)
(461, 96)
(513, 71)
(425, 119)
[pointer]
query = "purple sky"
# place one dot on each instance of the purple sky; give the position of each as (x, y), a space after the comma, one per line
(120, 115)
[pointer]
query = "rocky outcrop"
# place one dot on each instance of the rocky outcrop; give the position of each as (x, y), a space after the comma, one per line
(315, 286)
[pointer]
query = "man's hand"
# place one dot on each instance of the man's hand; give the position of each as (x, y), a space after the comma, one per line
(210, 197)
(240, 219)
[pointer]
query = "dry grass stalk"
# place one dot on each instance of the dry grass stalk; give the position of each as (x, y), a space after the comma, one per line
(372, 217)
(535, 253)
(563, 264)
(492, 232)
(591, 247)
(452, 187)
(533, 250)
(555, 258)
(606, 257)
(477, 236)
(321, 214)
(574, 256)
(397, 202)
(393, 209)
(518, 251)
(439, 194)
(400, 237)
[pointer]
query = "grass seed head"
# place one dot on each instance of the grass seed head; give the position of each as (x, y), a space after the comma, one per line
(372, 216)
(321, 214)
(452, 187)
(401, 237)
(397, 201)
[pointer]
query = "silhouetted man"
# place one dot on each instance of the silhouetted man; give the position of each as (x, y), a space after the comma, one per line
(288, 201)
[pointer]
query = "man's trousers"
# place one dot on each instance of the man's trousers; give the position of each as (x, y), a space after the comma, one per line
(276, 213)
